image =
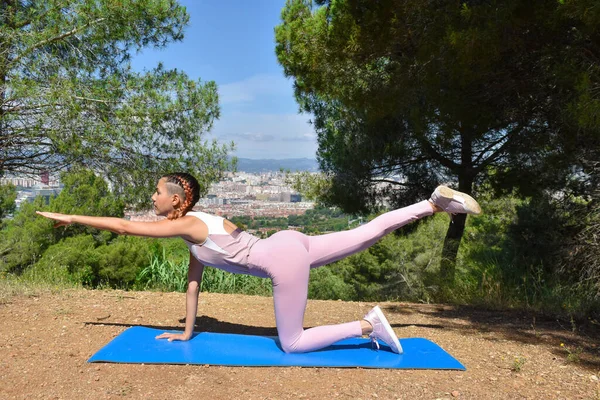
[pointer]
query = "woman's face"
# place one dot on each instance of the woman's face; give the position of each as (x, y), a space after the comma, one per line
(162, 200)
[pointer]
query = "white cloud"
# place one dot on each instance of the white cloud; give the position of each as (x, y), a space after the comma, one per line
(255, 137)
(259, 115)
(267, 135)
(250, 89)
(305, 137)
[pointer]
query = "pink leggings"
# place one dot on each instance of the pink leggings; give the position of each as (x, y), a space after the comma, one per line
(287, 256)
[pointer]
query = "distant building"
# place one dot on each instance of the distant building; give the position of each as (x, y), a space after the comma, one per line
(212, 199)
(285, 197)
(45, 178)
(25, 181)
(46, 193)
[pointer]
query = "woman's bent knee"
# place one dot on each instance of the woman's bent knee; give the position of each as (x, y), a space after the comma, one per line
(290, 347)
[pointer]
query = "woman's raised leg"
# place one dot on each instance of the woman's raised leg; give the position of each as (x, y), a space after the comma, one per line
(325, 249)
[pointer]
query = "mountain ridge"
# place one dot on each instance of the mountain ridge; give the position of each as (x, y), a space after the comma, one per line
(270, 164)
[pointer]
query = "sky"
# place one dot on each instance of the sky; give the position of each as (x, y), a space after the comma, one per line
(232, 42)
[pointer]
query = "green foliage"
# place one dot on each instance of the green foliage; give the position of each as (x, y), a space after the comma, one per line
(168, 272)
(518, 364)
(585, 259)
(396, 267)
(8, 195)
(312, 186)
(404, 97)
(219, 281)
(364, 274)
(25, 238)
(572, 354)
(489, 272)
(515, 255)
(393, 86)
(163, 274)
(87, 255)
(175, 248)
(511, 256)
(313, 221)
(76, 255)
(90, 263)
(85, 193)
(521, 254)
(326, 284)
(320, 219)
(121, 260)
(69, 96)
(34, 282)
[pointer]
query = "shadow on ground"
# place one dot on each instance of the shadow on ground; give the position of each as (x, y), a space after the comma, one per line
(581, 339)
(204, 323)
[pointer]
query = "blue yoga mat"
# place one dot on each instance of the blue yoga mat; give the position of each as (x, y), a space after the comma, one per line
(138, 345)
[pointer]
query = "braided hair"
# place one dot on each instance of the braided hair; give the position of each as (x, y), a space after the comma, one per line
(191, 192)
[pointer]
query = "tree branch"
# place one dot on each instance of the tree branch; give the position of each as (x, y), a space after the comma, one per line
(435, 155)
(389, 181)
(26, 22)
(488, 148)
(54, 39)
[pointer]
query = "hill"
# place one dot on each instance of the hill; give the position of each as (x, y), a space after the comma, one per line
(266, 165)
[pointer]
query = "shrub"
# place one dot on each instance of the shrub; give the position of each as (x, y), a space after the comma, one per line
(120, 262)
(76, 255)
(25, 238)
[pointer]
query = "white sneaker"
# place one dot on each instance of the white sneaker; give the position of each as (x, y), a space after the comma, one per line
(454, 202)
(382, 330)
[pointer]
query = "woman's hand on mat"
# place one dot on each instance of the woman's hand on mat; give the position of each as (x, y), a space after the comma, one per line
(62, 219)
(174, 336)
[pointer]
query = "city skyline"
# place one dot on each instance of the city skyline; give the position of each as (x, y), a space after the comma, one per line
(239, 193)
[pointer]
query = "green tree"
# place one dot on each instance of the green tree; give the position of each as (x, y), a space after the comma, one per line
(8, 195)
(122, 260)
(85, 193)
(25, 238)
(68, 95)
(77, 255)
(408, 94)
(581, 247)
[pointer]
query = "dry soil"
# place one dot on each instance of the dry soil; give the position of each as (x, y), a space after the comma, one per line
(45, 340)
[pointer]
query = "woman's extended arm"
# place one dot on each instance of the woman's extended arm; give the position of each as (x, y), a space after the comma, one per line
(195, 272)
(186, 227)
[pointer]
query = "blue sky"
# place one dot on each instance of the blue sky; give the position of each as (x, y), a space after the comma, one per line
(232, 42)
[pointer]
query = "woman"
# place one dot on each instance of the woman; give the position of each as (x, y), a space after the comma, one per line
(286, 257)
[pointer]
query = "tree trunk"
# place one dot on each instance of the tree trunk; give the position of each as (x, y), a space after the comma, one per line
(450, 249)
(456, 229)
(8, 20)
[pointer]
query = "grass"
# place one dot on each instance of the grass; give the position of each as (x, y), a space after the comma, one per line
(572, 354)
(162, 274)
(219, 281)
(32, 285)
(518, 364)
(167, 275)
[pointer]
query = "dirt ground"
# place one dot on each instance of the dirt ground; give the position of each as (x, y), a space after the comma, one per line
(46, 339)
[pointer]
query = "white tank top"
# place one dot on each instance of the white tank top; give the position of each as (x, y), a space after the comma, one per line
(227, 251)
